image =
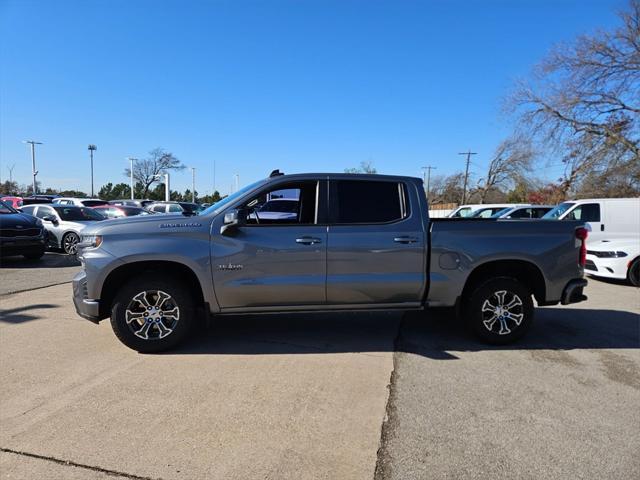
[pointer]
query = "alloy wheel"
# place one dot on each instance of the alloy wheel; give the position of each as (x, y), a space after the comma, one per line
(152, 314)
(502, 310)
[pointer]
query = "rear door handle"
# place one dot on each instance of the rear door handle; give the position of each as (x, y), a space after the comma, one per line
(308, 240)
(405, 239)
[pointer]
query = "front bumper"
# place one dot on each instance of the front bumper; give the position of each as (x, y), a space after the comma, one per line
(572, 292)
(85, 307)
(20, 245)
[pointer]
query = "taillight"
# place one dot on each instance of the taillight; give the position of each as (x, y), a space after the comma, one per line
(582, 234)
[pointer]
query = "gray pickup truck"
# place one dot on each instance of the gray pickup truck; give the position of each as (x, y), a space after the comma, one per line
(343, 242)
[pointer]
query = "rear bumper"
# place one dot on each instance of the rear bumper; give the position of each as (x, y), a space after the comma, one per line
(85, 307)
(572, 292)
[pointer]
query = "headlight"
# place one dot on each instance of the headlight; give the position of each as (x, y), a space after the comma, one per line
(90, 241)
(607, 254)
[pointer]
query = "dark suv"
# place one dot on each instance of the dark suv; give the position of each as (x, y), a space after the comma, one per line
(20, 234)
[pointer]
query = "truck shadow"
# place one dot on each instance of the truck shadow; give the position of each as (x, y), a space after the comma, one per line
(23, 314)
(435, 334)
(49, 260)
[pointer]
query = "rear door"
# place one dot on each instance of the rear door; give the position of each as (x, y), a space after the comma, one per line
(376, 243)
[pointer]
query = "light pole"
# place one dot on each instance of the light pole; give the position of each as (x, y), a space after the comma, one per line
(193, 184)
(131, 159)
(33, 162)
(92, 148)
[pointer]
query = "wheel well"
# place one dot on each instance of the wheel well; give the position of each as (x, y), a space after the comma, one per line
(525, 272)
(175, 271)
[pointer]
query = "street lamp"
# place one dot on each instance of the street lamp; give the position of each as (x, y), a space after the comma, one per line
(193, 184)
(33, 162)
(166, 184)
(131, 159)
(92, 148)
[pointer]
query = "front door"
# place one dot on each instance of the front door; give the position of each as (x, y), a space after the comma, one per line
(279, 257)
(376, 249)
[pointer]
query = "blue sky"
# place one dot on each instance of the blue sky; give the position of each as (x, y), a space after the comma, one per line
(258, 85)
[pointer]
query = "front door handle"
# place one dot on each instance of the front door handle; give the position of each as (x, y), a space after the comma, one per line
(308, 240)
(405, 239)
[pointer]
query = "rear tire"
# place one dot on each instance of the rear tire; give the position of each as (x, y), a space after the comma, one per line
(633, 275)
(150, 313)
(500, 311)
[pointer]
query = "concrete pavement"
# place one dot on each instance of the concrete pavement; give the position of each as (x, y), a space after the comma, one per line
(306, 396)
(255, 397)
(562, 403)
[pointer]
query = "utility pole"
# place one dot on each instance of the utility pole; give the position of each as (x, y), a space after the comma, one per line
(167, 190)
(11, 172)
(193, 184)
(237, 177)
(131, 159)
(428, 180)
(92, 148)
(33, 162)
(466, 174)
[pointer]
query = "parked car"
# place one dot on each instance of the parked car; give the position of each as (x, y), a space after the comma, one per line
(277, 209)
(529, 211)
(131, 203)
(359, 242)
(80, 202)
(608, 218)
(118, 211)
(464, 211)
(15, 202)
(64, 223)
(174, 207)
(33, 199)
(618, 259)
(488, 211)
(20, 233)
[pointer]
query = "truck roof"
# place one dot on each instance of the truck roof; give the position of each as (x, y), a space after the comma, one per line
(344, 176)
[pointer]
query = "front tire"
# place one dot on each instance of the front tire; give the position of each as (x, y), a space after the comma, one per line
(152, 314)
(500, 311)
(35, 255)
(633, 275)
(70, 243)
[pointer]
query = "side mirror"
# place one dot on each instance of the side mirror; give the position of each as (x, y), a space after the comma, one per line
(232, 220)
(50, 218)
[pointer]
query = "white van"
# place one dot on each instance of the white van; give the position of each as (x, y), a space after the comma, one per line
(609, 218)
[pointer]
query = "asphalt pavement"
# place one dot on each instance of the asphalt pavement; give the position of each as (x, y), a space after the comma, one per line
(335, 396)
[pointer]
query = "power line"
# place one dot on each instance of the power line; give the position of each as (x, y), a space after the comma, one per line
(466, 174)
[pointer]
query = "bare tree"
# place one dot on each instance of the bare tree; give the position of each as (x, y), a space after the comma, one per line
(147, 170)
(446, 188)
(511, 162)
(583, 101)
(365, 167)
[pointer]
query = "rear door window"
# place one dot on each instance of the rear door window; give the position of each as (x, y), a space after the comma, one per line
(367, 202)
(587, 212)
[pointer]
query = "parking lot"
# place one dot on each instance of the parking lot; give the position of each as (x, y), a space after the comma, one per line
(340, 396)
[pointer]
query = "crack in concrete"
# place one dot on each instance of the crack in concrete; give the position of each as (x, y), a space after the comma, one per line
(383, 459)
(69, 463)
(33, 288)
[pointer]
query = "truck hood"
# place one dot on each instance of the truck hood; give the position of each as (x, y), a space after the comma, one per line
(100, 228)
(19, 220)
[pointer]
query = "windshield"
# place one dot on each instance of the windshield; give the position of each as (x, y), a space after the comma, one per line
(462, 212)
(218, 206)
(78, 214)
(558, 211)
(94, 203)
(6, 208)
(499, 213)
